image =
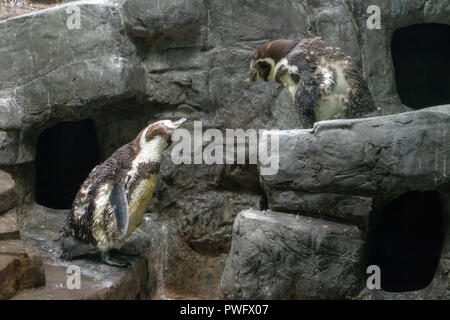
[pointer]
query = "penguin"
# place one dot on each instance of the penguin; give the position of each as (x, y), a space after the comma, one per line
(323, 83)
(111, 202)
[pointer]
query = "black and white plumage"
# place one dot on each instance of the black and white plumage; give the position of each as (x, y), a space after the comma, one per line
(111, 202)
(323, 82)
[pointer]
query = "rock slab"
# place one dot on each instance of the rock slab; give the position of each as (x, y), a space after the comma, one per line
(19, 268)
(9, 230)
(281, 256)
(343, 164)
(8, 198)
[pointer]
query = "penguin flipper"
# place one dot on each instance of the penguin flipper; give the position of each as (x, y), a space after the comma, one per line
(119, 203)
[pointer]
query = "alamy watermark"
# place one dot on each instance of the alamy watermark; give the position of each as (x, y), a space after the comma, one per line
(374, 280)
(73, 22)
(73, 277)
(374, 20)
(236, 146)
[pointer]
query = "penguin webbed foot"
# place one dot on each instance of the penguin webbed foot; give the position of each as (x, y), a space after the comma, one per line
(106, 259)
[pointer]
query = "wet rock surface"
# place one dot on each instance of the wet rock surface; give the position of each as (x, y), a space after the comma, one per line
(280, 256)
(8, 198)
(11, 8)
(9, 229)
(134, 62)
(97, 282)
(20, 268)
(358, 160)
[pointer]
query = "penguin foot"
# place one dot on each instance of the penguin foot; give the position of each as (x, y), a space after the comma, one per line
(106, 259)
(72, 248)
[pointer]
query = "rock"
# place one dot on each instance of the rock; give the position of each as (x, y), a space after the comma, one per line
(374, 157)
(190, 241)
(9, 229)
(52, 72)
(154, 18)
(128, 66)
(279, 256)
(19, 268)
(328, 205)
(98, 281)
(8, 198)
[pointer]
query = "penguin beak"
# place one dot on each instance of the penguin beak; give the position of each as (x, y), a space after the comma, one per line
(178, 123)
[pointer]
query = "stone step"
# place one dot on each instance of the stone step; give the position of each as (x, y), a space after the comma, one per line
(97, 282)
(9, 230)
(8, 198)
(19, 268)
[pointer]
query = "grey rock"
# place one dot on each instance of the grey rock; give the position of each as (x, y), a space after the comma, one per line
(154, 19)
(20, 268)
(130, 65)
(50, 72)
(279, 256)
(366, 157)
(98, 281)
(338, 207)
(8, 197)
(190, 239)
(439, 286)
(9, 230)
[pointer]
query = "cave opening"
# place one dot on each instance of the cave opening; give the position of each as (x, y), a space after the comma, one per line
(407, 239)
(65, 155)
(420, 54)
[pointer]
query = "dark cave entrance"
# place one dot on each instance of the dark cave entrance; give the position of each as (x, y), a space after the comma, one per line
(407, 239)
(65, 155)
(420, 55)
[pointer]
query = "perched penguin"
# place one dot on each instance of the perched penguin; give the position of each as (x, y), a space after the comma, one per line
(323, 82)
(111, 202)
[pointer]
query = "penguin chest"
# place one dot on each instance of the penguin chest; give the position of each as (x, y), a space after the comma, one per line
(139, 200)
(334, 91)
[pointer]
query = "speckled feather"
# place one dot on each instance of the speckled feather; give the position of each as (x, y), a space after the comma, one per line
(310, 56)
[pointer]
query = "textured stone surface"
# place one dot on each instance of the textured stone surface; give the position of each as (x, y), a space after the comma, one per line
(7, 192)
(51, 72)
(11, 8)
(439, 287)
(98, 281)
(279, 256)
(153, 19)
(9, 229)
(130, 64)
(20, 268)
(374, 157)
(332, 206)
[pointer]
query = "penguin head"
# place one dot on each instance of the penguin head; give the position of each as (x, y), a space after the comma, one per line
(161, 130)
(265, 59)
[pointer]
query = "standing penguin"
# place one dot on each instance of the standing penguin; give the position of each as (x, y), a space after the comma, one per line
(323, 82)
(111, 202)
